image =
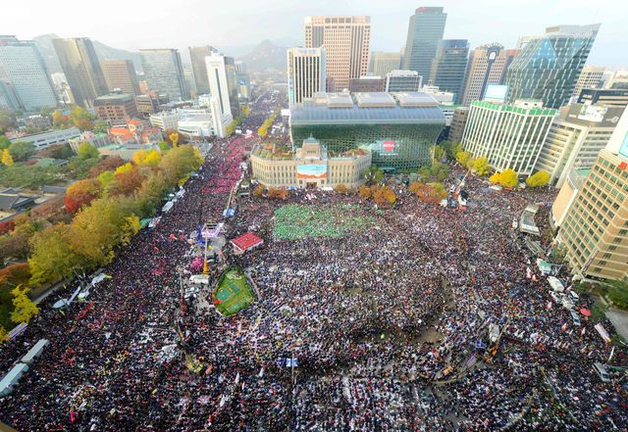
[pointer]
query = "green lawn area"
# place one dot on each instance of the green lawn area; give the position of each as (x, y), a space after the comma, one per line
(233, 291)
(296, 221)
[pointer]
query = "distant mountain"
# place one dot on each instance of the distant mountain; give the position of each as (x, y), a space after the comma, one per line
(104, 52)
(266, 56)
(47, 51)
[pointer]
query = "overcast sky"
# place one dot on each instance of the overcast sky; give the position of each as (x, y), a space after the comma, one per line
(134, 24)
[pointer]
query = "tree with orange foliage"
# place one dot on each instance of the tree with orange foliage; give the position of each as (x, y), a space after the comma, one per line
(126, 182)
(364, 191)
(384, 196)
(81, 193)
(110, 163)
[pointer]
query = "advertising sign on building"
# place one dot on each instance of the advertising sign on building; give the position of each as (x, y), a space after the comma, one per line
(495, 93)
(388, 145)
(312, 171)
(592, 113)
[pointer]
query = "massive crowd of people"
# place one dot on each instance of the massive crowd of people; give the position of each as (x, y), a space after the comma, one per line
(389, 326)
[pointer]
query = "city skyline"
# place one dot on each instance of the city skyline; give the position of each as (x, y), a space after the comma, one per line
(284, 22)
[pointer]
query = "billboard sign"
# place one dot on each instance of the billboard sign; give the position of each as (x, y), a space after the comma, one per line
(388, 145)
(495, 93)
(312, 171)
(592, 113)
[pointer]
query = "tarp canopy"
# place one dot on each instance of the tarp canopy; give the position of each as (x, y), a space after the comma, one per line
(556, 284)
(12, 378)
(35, 351)
(246, 241)
(144, 222)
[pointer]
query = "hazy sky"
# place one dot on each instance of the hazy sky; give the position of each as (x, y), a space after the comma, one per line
(134, 24)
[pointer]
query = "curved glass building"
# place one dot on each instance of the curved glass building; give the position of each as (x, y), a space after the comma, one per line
(399, 129)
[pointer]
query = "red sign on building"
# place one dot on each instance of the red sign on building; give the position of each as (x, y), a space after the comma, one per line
(388, 145)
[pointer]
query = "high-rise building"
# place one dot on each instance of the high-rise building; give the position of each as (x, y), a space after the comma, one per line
(199, 67)
(510, 136)
(120, 75)
(548, 66)
(595, 227)
(347, 41)
(425, 31)
(487, 65)
(617, 98)
(222, 82)
(383, 62)
(82, 70)
(8, 98)
(458, 123)
(575, 138)
(306, 73)
(403, 81)
(163, 72)
(244, 81)
(22, 66)
(449, 65)
(590, 78)
(116, 109)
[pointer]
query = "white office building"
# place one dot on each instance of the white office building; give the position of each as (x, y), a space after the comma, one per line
(24, 68)
(510, 136)
(575, 138)
(46, 139)
(165, 120)
(221, 81)
(403, 81)
(306, 73)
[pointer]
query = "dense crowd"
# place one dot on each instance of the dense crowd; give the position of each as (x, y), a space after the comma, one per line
(390, 326)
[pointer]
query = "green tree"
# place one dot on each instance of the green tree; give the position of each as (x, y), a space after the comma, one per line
(439, 154)
(480, 165)
(541, 178)
(100, 127)
(87, 151)
(4, 142)
(373, 175)
(163, 146)
(618, 293)
(455, 149)
(23, 308)
(52, 257)
(7, 159)
(21, 150)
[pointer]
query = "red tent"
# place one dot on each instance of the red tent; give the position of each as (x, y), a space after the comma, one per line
(246, 242)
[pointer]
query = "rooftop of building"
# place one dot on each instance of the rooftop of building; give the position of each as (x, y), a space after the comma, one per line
(529, 107)
(287, 152)
(113, 97)
(368, 108)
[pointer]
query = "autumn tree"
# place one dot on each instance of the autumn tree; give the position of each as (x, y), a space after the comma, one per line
(23, 307)
(277, 193)
(258, 191)
(52, 257)
(82, 118)
(480, 166)
(147, 157)
(126, 182)
(364, 192)
(495, 178)
(150, 194)
(463, 157)
(340, 188)
(81, 194)
(180, 161)
(110, 163)
(384, 196)
(87, 151)
(538, 179)
(509, 178)
(6, 227)
(7, 159)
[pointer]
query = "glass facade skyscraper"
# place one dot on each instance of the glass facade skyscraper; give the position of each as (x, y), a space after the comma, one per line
(28, 83)
(449, 66)
(425, 31)
(548, 67)
(164, 72)
(82, 70)
(399, 133)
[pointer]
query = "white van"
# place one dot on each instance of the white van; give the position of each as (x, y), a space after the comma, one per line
(200, 279)
(600, 370)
